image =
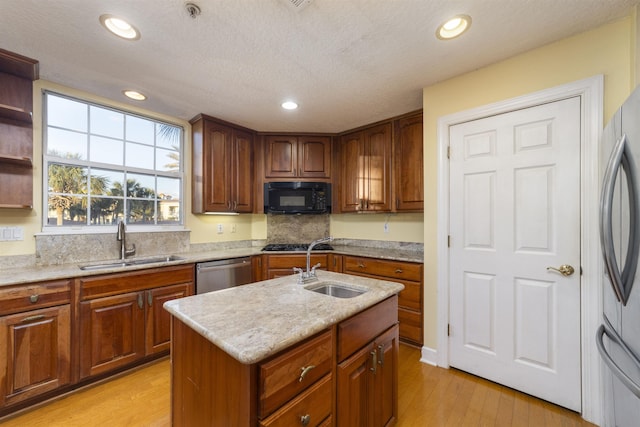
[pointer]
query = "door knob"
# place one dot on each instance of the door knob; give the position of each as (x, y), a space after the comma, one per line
(565, 269)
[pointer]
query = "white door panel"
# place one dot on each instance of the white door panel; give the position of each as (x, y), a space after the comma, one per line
(515, 210)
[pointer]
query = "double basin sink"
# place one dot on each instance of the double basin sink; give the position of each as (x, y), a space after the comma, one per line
(130, 262)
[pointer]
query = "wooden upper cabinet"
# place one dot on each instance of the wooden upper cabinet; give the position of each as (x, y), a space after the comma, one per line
(366, 169)
(222, 167)
(291, 156)
(16, 131)
(408, 168)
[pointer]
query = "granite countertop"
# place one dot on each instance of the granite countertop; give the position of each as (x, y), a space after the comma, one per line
(255, 321)
(23, 275)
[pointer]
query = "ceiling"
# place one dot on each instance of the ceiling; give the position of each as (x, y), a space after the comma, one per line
(346, 62)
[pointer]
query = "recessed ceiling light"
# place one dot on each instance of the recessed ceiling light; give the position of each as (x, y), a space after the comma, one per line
(134, 94)
(119, 27)
(453, 27)
(289, 105)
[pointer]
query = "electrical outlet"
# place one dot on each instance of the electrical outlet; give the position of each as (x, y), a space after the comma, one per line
(386, 227)
(219, 228)
(233, 228)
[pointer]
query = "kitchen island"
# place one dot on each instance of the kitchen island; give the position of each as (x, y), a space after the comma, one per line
(275, 353)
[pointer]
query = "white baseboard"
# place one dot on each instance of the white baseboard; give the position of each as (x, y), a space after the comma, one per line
(429, 356)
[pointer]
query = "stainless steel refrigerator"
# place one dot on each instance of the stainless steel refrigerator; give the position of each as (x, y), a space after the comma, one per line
(618, 338)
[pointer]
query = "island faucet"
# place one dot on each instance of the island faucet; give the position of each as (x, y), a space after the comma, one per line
(310, 274)
(121, 237)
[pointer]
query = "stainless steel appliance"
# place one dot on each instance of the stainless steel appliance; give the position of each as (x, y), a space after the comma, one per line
(618, 338)
(297, 197)
(222, 274)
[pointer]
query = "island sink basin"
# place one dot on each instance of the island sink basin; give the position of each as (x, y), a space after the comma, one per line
(129, 262)
(335, 289)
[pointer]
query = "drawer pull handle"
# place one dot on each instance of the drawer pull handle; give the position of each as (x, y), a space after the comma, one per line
(149, 298)
(374, 361)
(361, 265)
(305, 420)
(399, 270)
(381, 357)
(140, 301)
(34, 298)
(32, 318)
(305, 371)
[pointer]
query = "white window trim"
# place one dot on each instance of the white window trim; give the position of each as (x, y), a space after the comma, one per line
(107, 229)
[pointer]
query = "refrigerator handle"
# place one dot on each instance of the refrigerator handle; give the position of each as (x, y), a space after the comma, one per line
(620, 282)
(607, 329)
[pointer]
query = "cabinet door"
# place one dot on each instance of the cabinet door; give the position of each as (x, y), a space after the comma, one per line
(216, 174)
(242, 165)
(158, 325)
(112, 332)
(409, 184)
(377, 168)
(354, 384)
(314, 157)
(35, 349)
(281, 157)
(385, 379)
(352, 173)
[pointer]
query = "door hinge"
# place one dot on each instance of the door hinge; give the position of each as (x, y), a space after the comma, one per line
(449, 152)
(448, 330)
(449, 241)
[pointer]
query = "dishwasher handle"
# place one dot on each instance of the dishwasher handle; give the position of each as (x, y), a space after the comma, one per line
(222, 264)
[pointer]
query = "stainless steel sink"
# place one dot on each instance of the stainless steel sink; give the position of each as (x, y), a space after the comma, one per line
(130, 262)
(335, 289)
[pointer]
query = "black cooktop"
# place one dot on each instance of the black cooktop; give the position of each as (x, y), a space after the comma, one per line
(296, 247)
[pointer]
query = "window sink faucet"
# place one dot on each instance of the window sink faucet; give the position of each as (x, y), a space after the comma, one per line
(121, 237)
(310, 274)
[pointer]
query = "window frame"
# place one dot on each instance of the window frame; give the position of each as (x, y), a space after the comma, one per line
(86, 163)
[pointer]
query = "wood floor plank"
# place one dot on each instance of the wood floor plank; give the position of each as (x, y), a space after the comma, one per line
(427, 396)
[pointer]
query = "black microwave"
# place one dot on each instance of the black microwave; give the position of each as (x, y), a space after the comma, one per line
(297, 197)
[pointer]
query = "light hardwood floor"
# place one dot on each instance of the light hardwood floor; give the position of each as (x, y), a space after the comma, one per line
(428, 396)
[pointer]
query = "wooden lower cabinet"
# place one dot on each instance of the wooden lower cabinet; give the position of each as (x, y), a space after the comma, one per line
(279, 265)
(112, 333)
(35, 340)
(120, 329)
(410, 299)
(35, 353)
(301, 386)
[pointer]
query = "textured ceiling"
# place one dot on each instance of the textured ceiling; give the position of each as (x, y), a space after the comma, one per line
(346, 62)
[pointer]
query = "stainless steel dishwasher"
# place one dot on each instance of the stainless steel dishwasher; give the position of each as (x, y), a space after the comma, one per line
(222, 274)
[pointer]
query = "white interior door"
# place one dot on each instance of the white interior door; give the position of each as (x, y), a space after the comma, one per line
(514, 211)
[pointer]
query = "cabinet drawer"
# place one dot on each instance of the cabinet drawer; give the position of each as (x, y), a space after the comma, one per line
(119, 283)
(410, 326)
(411, 295)
(314, 405)
(384, 268)
(290, 261)
(358, 330)
(15, 299)
(290, 373)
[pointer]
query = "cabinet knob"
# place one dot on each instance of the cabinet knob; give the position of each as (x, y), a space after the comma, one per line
(361, 265)
(34, 298)
(305, 420)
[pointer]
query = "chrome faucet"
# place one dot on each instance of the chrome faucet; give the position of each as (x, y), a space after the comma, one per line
(310, 274)
(121, 237)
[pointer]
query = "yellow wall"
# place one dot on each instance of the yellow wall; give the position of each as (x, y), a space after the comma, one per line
(607, 50)
(401, 227)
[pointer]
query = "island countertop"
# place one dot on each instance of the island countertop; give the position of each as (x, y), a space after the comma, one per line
(252, 322)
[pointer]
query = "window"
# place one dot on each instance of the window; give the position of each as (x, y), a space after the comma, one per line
(102, 165)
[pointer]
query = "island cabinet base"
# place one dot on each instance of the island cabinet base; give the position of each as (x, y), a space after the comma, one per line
(344, 376)
(209, 387)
